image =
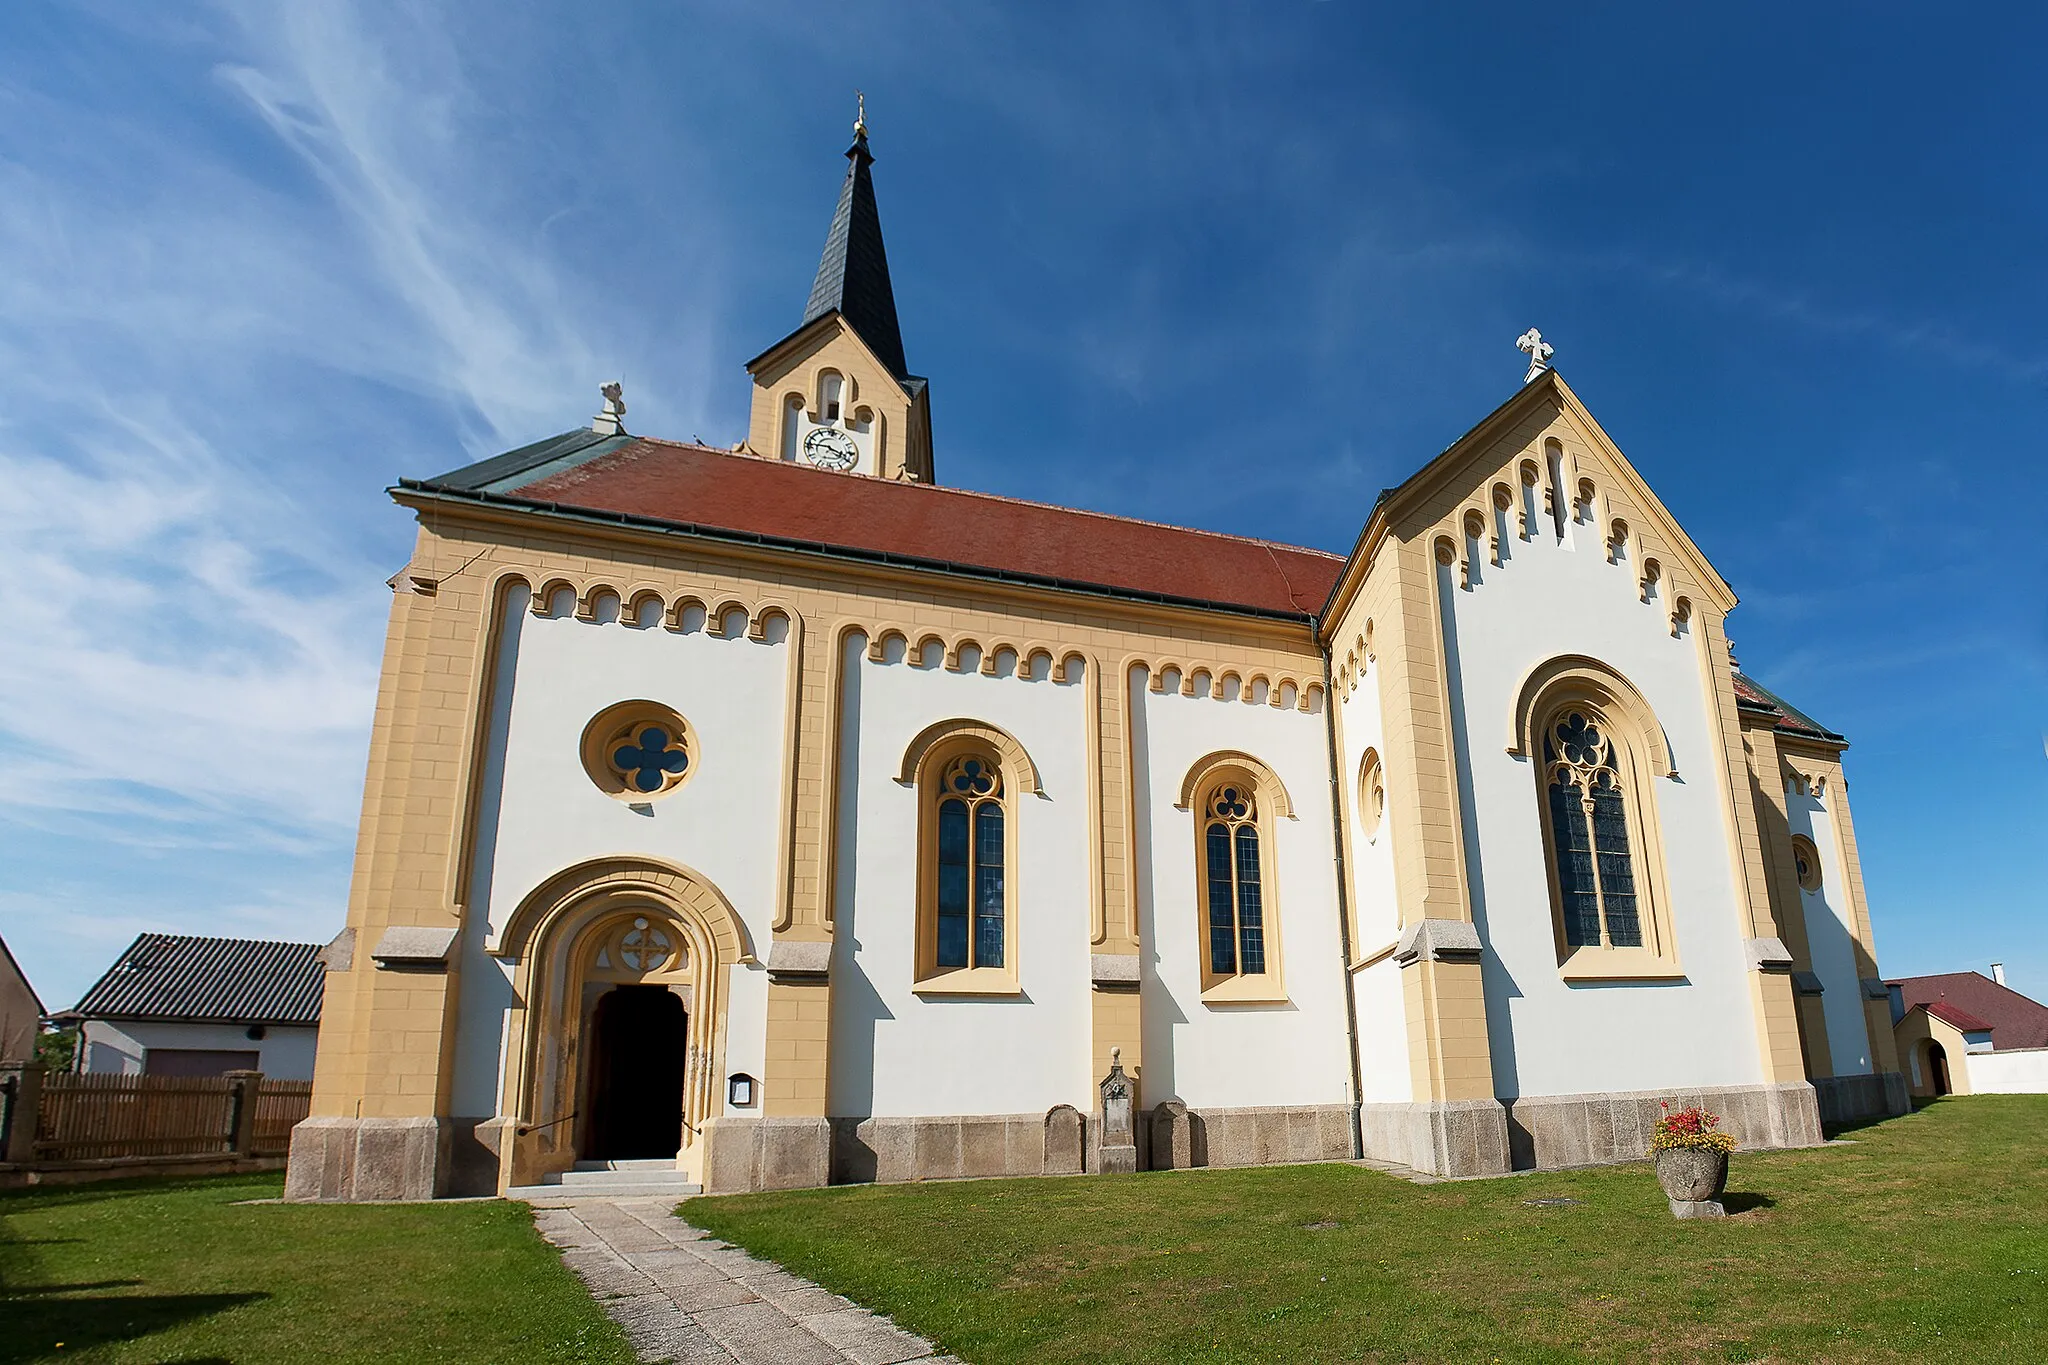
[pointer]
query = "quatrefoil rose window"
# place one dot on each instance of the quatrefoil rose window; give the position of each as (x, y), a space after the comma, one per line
(644, 948)
(639, 750)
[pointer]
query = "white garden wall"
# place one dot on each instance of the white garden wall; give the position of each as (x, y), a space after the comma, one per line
(2020, 1071)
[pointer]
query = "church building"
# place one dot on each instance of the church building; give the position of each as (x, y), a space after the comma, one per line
(782, 816)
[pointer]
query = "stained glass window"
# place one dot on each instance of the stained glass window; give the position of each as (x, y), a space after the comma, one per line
(953, 866)
(1251, 929)
(1222, 910)
(1230, 860)
(1589, 835)
(988, 885)
(970, 899)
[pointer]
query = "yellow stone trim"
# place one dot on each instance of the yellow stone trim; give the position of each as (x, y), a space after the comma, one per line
(1578, 677)
(1214, 767)
(929, 747)
(1445, 1004)
(798, 1060)
(795, 759)
(1116, 1021)
(833, 744)
(660, 878)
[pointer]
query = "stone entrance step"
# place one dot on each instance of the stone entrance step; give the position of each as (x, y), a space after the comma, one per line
(612, 1180)
(651, 1163)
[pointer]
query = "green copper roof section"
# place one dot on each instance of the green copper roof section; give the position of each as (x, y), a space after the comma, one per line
(529, 463)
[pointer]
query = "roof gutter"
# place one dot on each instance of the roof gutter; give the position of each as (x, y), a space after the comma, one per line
(824, 550)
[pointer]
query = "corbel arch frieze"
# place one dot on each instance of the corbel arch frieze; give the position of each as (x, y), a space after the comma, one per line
(717, 610)
(1278, 685)
(930, 740)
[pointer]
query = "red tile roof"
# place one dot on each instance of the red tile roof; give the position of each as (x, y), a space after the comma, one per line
(1961, 1018)
(1753, 694)
(2014, 1020)
(696, 487)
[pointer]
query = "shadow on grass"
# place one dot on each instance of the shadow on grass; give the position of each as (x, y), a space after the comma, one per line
(35, 1198)
(35, 1326)
(1743, 1203)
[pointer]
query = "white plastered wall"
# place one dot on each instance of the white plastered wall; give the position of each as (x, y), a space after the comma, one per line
(1376, 911)
(2020, 1071)
(541, 813)
(1548, 598)
(284, 1053)
(1231, 1055)
(1830, 938)
(899, 1054)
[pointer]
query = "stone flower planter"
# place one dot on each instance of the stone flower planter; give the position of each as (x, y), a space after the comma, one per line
(1693, 1179)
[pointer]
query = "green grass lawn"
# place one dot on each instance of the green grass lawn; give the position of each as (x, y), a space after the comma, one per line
(1925, 1240)
(179, 1270)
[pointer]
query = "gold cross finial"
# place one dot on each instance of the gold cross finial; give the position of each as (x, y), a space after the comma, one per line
(860, 118)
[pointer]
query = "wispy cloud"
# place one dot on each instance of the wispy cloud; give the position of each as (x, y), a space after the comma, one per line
(200, 342)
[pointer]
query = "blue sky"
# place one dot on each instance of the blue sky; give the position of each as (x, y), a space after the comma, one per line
(1227, 265)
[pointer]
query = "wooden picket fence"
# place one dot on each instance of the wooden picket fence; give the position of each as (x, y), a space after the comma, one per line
(85, 1118)
(279, 1107)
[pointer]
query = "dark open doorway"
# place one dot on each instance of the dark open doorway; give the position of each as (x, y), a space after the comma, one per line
(1937, 1061)
(635, 1099)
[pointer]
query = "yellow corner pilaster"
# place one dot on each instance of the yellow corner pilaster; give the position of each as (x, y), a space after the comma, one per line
(1448, 1052)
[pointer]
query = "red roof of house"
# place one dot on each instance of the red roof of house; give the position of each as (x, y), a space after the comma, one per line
(1961, 1018)
(1972, 1001)
(696, 487)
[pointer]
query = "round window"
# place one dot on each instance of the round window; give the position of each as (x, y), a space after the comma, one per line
(1807, 859)
(639, 750)
(1372, 795)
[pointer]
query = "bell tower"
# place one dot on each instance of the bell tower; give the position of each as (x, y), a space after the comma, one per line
(836, 393)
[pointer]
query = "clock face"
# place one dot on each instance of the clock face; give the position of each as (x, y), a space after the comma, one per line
(831, 448)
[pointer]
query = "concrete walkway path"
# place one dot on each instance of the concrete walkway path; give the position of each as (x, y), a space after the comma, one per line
(686, 1297)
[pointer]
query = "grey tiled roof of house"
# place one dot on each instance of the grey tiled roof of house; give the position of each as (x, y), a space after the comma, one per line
(176, 978)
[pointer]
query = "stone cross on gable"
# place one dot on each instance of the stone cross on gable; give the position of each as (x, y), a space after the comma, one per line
(1539, 352)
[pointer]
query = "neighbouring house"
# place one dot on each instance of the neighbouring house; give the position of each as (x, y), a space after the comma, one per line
(21, 1013)
(1963, 1033)
(174, 1005)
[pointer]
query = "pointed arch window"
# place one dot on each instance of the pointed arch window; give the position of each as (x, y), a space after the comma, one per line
(1597, 751)
(1236, 898)
(1235, 800)
(967, 863)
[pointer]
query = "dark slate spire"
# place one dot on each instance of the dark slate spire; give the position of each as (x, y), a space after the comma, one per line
(853, 275)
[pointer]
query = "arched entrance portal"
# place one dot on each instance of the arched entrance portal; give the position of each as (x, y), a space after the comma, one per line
(1937, 1067)
(634, 1094)
(623, 972)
